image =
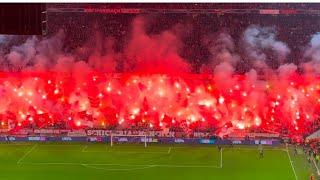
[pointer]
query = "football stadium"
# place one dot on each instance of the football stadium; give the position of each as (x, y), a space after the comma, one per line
(180, 91)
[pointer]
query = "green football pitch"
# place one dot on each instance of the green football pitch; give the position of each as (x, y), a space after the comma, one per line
(88, 161)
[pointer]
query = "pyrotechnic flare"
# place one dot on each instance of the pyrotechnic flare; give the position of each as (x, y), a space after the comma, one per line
(53, 88)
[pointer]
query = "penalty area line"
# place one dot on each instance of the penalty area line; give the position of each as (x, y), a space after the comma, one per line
(265, 149)
(84, 148)
(221, 158)
(7, 144)
(26, 154)
(115, 169)
(59, 145)
(125, 152)
(126, 165)
(315, 164)
(294, 171)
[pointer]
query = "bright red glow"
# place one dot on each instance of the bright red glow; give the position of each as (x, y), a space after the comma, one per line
(160, 101)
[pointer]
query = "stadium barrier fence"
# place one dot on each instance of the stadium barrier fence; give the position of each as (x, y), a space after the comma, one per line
(130, 139)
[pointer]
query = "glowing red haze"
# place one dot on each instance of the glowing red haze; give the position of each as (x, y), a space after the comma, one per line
(160, 101)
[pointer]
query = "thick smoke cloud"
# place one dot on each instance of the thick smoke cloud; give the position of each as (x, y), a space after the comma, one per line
(311, 55)
(313, 50)
(154, 53)
(222, 50)
(34, 54)
(259, 41)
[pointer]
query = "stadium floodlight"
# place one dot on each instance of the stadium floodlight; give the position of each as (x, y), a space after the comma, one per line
(123, 138)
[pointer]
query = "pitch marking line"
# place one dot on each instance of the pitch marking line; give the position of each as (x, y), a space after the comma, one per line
(169, 150)
(84, 148)
(266, 149)
(56, 145)
(221, 158)
(294, 171)
(315, 164)
(129, 165)
(127, 152)
(2, 144)
(26, 154)
(109, 169)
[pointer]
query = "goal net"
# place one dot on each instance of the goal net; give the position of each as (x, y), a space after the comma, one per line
(128, 139)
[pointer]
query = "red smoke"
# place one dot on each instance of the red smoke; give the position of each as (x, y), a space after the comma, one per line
(291, 102)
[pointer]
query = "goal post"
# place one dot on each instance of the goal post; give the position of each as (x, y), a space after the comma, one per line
(113, 136)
